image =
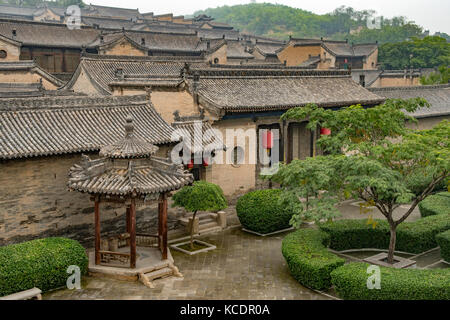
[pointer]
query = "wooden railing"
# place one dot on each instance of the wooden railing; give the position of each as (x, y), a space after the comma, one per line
(147, 240)
(110, 257)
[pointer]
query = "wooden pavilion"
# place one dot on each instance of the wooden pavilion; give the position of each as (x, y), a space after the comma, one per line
(128, 173)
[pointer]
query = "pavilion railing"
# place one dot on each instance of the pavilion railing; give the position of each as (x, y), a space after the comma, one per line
(110, 257)
(147, 240)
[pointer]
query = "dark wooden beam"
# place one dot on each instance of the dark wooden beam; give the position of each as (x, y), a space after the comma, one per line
(133, 233)
(164, 226)
(97, 231)
(128, 223)
(160, 212)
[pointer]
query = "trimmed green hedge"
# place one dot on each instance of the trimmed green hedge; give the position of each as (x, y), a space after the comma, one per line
(443, 239)
(260, 211)
(39, 263)
(413, 237)
(350, 282)
(436, 204)
(308, 259)
(314, 266)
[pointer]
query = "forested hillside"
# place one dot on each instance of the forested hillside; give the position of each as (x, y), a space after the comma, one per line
(279, 21)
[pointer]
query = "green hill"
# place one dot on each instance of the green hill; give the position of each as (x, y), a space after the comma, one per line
(279, 21)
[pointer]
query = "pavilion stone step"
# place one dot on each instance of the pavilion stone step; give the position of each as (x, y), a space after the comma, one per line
(147, 278)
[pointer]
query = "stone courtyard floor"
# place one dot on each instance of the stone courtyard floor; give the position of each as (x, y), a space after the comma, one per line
(243, 266)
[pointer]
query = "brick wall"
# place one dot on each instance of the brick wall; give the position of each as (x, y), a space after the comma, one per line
(35, 203)
(25, 77)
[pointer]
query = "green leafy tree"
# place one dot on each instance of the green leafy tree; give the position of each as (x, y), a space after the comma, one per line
(371, 156)
(306, 189)
(428, 52)
(442, 76)
(201, 196)
(280, 21)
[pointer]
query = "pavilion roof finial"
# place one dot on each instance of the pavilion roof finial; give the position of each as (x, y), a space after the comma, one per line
(130, 146)
(129, 126)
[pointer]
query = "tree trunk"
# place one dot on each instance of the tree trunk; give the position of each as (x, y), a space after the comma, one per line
(192, 230)
(392, 242)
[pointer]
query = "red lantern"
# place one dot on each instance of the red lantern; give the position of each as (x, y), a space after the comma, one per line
(267, 141)
(205, 162)
(190, 164)
(325, 131)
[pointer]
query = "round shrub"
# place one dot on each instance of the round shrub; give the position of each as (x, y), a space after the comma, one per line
(261, 212)
(39, 263)
(308, 259)
(443, 239)
(438, 203)
(350, 282)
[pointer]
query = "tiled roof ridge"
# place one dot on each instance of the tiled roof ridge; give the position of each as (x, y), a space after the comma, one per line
(69, 102)
(109, 7)
(193, 34)
(47, 23)
(409, 88)
(267, 73)
(318, 40)
(99, 57)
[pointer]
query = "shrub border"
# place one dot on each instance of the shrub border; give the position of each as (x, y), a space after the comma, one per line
(312, 272)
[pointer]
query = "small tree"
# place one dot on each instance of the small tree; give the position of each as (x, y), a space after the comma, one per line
(372, 156)
(201, 196)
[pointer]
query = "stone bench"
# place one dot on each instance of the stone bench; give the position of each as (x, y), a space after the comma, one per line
(25, 295)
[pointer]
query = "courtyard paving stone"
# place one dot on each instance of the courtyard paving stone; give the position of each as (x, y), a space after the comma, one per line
(244, 266)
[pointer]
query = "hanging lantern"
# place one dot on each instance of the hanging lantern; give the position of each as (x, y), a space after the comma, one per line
(325, 131)
(205, 162)
(267, 141)
(190, 164)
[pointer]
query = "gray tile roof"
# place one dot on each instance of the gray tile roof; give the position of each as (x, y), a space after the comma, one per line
(278, 89)
(47, 34)
(237, 50)
(196, 142)
(101, 70)
(310, 62)
(153, 41)
(338, 48)
(128, 178)
(56, 125)
(105, 11)
(438, 96)
(268, 48)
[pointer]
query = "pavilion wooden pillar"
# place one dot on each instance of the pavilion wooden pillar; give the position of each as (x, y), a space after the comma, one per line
(128, 223)
(162, 225)
(97, 230)
(132, 210)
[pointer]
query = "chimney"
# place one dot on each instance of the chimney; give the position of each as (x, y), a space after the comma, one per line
(195, 86)
(143, 41)
(148, 91)
(223, 37)
(14, 33)
(101, 39)
(119, 74)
